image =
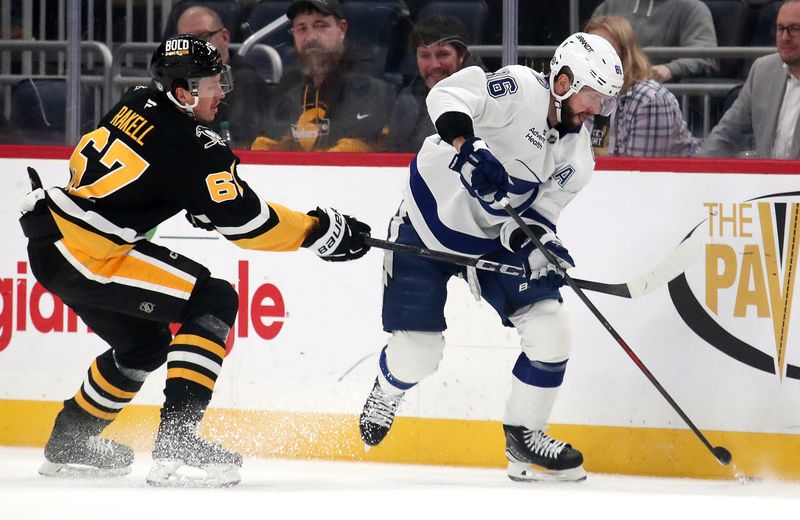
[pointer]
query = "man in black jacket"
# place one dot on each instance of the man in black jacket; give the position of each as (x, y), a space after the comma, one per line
(333, 100)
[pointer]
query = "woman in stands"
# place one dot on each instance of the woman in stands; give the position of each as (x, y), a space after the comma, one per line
(648, 120)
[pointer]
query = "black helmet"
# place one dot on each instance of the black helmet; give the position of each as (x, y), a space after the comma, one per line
(186, 59)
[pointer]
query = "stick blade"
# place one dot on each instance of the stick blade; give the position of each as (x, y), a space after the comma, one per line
(672, 266)
(614, 289)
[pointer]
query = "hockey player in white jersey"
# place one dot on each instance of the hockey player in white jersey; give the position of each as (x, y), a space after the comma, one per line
(514, 133)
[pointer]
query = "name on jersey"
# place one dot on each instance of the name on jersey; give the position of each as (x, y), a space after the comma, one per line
(132, 124)
(535, 137)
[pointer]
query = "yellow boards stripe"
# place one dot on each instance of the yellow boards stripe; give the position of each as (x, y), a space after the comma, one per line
(191, 375)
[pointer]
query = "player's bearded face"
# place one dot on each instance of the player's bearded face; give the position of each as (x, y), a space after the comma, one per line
(582, 105)
(570, 119)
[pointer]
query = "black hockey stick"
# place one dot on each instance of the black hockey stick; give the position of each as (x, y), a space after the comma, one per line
(675, 263)
(484, 265)
(722, 455)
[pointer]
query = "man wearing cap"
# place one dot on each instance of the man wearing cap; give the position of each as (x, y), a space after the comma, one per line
(332, 100)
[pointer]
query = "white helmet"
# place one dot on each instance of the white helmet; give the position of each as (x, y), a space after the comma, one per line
(594, 63)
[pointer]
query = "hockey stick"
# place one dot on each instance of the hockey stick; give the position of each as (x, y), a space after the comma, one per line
(722, 455)
(483, 265)
(675, 263)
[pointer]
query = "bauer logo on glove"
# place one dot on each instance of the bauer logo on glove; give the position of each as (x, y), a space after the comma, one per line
(337, 237)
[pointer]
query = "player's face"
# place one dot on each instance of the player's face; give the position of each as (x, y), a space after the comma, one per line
(788, 21)
(209, 93)
(317, 33)
(582, 105)
(437, 61)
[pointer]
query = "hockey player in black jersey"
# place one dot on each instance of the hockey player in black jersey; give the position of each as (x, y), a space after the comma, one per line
(150, 158)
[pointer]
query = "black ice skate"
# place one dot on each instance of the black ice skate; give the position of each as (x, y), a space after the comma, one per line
(75, 450)
(75, 455)
(535, 456)
(378, 415)
(181, 458)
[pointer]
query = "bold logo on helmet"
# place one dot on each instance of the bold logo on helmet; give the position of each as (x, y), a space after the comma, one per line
(173, 46)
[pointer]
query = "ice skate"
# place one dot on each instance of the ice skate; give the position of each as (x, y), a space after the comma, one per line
(79, 456)
(535, 456)
(183, 459)
(378, 415)
(75, 449)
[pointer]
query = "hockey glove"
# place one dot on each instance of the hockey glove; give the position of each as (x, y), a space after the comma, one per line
(200, 221)
(480, 171)
(338, 237)
(543, 274)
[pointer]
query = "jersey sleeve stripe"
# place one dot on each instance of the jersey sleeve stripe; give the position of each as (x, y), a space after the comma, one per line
(287, 233)
(263, 217)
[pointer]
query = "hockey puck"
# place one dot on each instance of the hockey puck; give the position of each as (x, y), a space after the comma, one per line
(723, 456)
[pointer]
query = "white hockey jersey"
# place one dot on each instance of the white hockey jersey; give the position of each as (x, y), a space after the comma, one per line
(546, 168)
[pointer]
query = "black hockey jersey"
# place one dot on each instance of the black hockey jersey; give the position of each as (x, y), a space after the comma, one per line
(146, 162)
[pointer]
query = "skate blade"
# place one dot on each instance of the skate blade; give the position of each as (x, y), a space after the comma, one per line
(521, 472)
(174, 473)
(55, 470)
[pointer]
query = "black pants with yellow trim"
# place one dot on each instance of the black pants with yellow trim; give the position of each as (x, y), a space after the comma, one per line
(129, 302)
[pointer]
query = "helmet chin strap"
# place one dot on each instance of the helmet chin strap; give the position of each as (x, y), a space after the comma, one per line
(183, 106)
(559, 101)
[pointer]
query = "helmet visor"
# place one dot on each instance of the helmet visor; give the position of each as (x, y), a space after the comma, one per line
(212, 86)
(599, 103)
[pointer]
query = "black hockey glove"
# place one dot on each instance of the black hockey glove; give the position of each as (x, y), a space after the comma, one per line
(338, 237)
(200, 221)
(542, 273)
(482, 174)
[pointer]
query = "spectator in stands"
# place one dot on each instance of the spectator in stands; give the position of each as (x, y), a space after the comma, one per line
(243, 109)
(440, 46)
(648, 120)
(764, 119)
(669, 23)
(333, 100)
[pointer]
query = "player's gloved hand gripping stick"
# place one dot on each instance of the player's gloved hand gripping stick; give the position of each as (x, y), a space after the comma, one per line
(481, 173)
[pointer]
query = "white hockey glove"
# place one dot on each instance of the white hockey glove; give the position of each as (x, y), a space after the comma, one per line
(482, 174)
(543, 274)
(338, 237)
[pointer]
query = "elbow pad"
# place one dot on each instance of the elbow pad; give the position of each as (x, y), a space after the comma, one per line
(454, 124)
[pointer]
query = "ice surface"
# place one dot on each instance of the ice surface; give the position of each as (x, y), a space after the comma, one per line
(290, 489)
